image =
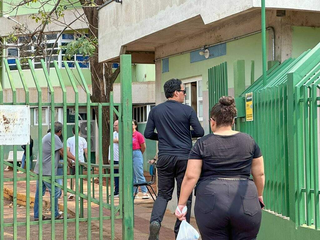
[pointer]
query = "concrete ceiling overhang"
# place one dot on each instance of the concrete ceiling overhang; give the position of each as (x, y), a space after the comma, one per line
(143, 50)
(140, 27)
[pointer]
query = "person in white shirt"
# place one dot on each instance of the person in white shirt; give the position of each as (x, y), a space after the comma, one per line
(71, 146)
(115, 156)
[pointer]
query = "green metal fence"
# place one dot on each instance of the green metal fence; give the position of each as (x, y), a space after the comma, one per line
(217, 83)
(86, 194)
(286, 127)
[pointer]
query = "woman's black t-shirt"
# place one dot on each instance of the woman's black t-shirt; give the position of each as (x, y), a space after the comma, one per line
(225, 156)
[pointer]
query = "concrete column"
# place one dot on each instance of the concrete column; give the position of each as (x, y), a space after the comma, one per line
(159, 95)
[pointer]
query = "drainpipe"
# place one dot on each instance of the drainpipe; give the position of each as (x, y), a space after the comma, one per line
(264, 42)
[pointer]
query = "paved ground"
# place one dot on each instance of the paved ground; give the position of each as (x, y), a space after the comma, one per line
(142, 212)
(21, 216)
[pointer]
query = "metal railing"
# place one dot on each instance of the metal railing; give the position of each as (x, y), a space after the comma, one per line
(285, 125)
(108, 210)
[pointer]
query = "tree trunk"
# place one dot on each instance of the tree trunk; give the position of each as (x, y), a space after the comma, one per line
(102, 79)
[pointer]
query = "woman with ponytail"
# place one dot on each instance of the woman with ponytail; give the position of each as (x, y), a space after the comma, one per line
(228, 203)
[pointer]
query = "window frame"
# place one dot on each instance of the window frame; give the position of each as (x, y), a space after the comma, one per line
(196, 79)
(58, 56)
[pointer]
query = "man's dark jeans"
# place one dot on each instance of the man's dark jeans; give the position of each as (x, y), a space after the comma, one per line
(169, 168)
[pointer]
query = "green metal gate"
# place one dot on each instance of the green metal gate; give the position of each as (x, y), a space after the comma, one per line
(93, 204)
(286, 127)
(217, 83)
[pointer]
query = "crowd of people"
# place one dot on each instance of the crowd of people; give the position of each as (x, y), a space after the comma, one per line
(218, 167)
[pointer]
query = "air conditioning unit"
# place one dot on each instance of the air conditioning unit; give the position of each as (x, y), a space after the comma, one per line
(84, 132)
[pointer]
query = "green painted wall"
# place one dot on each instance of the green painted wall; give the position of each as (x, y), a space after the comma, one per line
(9, 6)
(304, 38)
(142, 73)
(145, 72)
(277, 228)
(247, 49)
(150, 150)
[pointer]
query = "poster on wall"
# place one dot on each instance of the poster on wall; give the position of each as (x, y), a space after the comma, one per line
(249, 107)
(14, 125)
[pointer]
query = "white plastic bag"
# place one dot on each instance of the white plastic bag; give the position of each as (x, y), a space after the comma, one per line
(186, 231)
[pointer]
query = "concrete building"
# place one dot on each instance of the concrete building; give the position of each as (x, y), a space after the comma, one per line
(174, 32)
(12, 18)
(184, 38)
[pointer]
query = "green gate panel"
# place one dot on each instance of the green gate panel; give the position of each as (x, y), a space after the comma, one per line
(87, 193)
(286, 121)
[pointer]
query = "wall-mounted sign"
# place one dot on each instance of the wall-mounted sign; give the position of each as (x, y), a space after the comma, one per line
(14, 125)
(249, 106)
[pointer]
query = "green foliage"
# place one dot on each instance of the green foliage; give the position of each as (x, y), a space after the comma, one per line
(86, 46)
(44, 17)
(12, 38)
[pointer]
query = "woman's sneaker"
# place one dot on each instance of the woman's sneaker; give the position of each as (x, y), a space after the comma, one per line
(145, 196)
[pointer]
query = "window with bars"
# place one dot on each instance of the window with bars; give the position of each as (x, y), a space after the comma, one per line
(51, 51)
(58, 115)
(140, 113)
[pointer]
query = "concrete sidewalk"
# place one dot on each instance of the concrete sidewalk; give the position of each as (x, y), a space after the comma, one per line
(142, 210)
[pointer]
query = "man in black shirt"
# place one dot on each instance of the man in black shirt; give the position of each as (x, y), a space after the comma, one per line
(172, 120)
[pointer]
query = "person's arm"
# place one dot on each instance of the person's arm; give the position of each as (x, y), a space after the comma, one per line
(143, 147)
(195, 124)
(190, 180)
(69, 154)
(257, 171)
(86, 153)
(149, 131)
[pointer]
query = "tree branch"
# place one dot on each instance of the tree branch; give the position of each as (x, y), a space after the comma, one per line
(114, 75)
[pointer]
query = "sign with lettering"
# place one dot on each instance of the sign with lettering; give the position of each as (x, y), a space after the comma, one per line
(249, 106)
(14, 125)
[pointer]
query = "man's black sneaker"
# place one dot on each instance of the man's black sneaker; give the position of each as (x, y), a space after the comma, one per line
(154, 230)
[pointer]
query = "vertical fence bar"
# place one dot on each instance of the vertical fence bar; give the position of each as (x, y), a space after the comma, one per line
(28, 159)
(285, 142)
(306, 145)
(126, 138)
(120, 167)
(294, 195)
(270, 145)
(265, 152)
(15, 180)
(276, 146)
(310, 148)
(39, 181)
(1, 174)
(300, 158)
(264, 42)
(112, 167)
(65, 166)
(89, 151)
(76, 135)
(53, 150)
(100, 173)
(314, 116)
(252, 73)
(281, 151)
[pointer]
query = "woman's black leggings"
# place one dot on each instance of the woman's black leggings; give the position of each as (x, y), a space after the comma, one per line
(227, 209)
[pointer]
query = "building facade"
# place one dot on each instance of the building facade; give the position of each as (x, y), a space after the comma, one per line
(184, 38)
(58, 35)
